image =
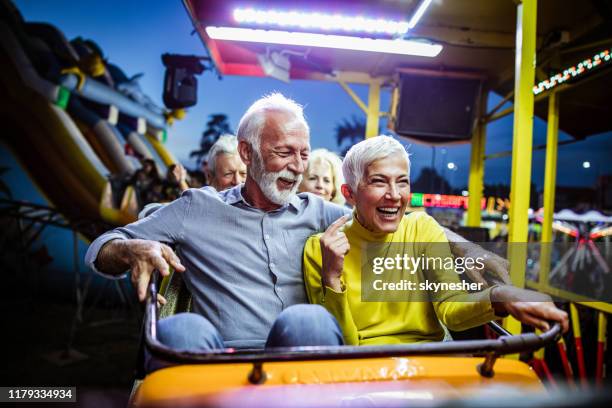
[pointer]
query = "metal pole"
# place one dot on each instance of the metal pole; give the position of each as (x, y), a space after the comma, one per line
(373, 108)
(550, 173)
(521, 146)
(476, 178)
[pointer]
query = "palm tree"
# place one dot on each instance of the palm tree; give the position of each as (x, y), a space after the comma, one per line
(216, 126)
(349, 132)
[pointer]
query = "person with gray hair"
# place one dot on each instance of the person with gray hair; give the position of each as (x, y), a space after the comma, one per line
(343, 272)
(237, 248)
(225, 168)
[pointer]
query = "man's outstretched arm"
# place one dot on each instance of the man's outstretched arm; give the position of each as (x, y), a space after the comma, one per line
(494, 264)
(137, 247)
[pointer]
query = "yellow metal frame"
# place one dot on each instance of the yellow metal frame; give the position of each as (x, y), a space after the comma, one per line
(550, 176)
(476, 177)
(372, 109)
(522, 135)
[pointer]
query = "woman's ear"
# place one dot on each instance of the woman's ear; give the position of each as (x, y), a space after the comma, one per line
(348, 194)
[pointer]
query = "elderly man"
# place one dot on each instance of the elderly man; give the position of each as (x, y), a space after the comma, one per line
(241, 247)
(225, 168)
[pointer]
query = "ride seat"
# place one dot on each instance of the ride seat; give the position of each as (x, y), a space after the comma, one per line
(178, 297)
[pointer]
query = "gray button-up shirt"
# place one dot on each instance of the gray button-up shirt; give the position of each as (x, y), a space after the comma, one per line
(243, 265)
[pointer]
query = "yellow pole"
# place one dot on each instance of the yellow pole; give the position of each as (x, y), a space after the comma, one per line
(373, 108)
(476, 178)
(526, 19)
(550, 173)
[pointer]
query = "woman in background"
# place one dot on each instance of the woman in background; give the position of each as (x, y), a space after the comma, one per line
(324, 176)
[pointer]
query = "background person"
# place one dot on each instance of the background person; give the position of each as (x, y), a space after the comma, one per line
(378, 186)
(225, 167)
(324, 176)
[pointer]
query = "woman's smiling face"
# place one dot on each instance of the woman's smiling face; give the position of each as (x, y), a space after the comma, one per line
(319, 179)
(382, 195)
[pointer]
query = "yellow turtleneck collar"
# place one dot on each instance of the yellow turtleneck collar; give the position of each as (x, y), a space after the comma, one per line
(355, 228)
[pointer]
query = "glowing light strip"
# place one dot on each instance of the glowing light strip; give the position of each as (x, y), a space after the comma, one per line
(323, 21)
(402, 47)
(418, 14)
(574, 71)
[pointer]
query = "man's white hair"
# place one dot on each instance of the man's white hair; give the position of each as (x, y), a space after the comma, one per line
(227, 144)
(364, 153)
(252, 122)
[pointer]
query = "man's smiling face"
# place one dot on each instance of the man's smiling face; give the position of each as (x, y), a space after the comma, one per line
(282, 158)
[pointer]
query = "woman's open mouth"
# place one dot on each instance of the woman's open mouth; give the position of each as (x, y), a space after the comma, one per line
(388, 212)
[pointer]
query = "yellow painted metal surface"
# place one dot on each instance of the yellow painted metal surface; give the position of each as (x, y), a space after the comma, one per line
(436, 377)
(373, 108)
(522, 137)
(550, 175)
(602, 325)
(353, 96)
(522, 142)
(161, 150)
(575, 318)
(569, 296)
(476, 178)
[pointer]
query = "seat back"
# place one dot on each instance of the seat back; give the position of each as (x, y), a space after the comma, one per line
(178, 297)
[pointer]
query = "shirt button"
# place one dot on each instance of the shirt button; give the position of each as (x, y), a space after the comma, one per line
(272, 264)
(266, 236)
(279, 289)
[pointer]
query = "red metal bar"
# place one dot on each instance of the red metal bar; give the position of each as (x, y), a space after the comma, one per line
(567, 367)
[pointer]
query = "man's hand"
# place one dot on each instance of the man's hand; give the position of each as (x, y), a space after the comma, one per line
(527, 306)
(180, 174)
(142, 257)
(334, 246)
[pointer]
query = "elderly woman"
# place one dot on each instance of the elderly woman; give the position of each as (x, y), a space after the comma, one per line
(338, 262)
(324, 176)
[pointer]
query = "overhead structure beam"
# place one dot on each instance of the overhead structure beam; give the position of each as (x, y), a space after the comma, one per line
(526, 22)
(353, 96)
(463, 36)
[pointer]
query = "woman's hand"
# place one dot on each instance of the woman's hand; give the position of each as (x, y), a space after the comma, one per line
(334, 246)
(527, 306)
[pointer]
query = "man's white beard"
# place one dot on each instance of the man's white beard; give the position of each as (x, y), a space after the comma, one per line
(267, 181)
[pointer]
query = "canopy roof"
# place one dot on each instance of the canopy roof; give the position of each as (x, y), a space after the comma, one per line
(478, 36)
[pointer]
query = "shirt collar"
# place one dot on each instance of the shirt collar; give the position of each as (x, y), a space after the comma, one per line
(234, 196)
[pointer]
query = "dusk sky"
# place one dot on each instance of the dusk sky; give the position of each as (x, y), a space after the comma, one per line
(134, 34)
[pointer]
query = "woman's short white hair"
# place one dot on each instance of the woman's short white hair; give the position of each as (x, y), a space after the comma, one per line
(227, 144)
(364, 153)
(252, 122)
(335, 163)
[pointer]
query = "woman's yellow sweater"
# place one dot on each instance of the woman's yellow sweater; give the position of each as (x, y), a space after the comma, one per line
(392, 322)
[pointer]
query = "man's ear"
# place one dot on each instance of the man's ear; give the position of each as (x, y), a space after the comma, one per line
(348, 194)
(245, 151)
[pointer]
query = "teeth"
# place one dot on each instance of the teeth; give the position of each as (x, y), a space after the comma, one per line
(388, 210)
